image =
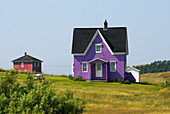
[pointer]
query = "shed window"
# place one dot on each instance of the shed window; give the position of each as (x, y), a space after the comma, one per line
(35, 64)
(113, 66)
(72, 67)
(98, 48)
(84, 66)
(22, 64)
(38, 64)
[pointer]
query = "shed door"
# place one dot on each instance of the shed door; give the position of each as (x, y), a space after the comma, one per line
(98, 69)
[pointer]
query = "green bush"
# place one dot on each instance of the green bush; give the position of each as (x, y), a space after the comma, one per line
(164, 85)
(70, 77)
(33, 98)
(120, 80)
(127, 82)
(79, 78)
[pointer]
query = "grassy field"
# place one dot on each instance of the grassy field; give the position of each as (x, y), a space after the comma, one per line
(102, 97)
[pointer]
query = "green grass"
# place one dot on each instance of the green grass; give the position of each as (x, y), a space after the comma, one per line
(103, 97)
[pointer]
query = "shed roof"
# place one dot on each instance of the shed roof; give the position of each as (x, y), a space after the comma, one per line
(27, 58)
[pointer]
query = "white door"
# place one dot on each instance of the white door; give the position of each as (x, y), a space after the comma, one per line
(98, 69)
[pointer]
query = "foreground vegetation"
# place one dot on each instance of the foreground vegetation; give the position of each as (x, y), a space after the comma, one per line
(32, 97)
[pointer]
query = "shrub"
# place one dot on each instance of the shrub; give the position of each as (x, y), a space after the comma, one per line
(127, 82)
(164, 85)
(31, 98)
(79, 78)
(120, 80)
(70, 77)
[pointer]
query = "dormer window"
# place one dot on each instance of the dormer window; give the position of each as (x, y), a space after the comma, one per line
(98, 48)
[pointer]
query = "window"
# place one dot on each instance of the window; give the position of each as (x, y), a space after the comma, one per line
(35, 64)
(73, 67)
(22, 64)
(84, 67)
(98, 66)
(38, 64)
(98, 48)
(113, 66)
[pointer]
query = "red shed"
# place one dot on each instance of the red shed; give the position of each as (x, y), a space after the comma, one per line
(27, 63)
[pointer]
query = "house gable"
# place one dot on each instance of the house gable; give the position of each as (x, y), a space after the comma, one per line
(91, 42)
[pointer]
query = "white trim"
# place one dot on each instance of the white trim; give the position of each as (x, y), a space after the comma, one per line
(98, 59)
(91, 42)
(110, 66)
(86, 67)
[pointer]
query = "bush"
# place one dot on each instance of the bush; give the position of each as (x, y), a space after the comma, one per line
(31, 98)
(127, 82)
(79, 78)
(70, 77)
(164, 85)
(120, 80)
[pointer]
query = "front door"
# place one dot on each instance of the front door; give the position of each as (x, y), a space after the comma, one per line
(98, 69)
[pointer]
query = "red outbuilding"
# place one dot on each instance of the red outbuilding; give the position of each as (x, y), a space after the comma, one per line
(28, 63)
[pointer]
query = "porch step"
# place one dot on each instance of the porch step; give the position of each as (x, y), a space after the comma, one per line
(98, 80)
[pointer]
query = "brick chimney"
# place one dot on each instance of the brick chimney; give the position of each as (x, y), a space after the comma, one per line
(25, 53)
(105, 25)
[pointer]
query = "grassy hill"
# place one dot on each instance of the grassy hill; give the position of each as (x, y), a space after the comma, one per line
(161, 77)
(102, 97)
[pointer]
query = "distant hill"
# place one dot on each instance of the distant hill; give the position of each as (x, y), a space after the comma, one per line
(157, 66)
(157, 78)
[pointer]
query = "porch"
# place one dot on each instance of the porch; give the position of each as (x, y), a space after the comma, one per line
(98, 70)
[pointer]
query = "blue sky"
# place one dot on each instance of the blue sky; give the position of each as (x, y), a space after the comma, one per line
(43, 28)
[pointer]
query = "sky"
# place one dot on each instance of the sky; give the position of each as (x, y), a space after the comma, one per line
(44, 29)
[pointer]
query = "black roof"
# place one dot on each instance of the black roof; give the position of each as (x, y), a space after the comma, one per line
(116, 38)
(27, 58)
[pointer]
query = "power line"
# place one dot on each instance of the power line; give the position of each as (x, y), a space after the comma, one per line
(56, 65)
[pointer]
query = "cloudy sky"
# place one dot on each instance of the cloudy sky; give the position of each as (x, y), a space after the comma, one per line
(44, 29)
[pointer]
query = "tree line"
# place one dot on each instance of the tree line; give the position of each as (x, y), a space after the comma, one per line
(157, 66)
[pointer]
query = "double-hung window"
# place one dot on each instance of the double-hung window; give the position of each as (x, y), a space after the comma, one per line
(84, 66)
(113, 66)
(98, 48)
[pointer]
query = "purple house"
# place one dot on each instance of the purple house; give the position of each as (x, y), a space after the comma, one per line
(100, 53)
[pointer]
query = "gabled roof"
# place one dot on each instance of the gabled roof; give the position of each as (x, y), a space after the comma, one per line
(27, 58)
(116, 39)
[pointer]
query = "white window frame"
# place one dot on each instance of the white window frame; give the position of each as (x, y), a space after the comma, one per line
(22, 64)
(86, 67)
(100, 48)
(114, 66)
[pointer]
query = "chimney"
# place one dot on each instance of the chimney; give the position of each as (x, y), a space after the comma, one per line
(105, 24)
(25, 53)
